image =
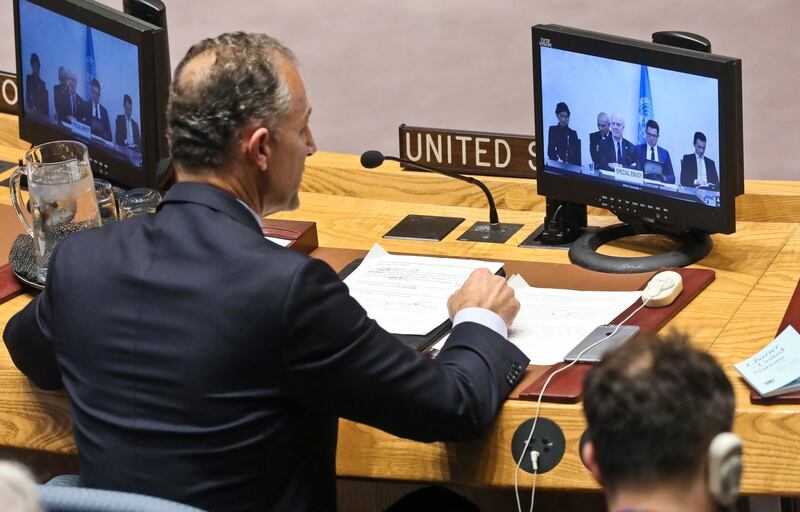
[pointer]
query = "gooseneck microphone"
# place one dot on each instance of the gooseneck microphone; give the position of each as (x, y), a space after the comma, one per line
(372, 159)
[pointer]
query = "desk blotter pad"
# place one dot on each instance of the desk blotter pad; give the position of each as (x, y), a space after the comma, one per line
(567, 386)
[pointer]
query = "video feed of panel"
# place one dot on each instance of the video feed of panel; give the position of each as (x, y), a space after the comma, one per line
(81, 81)
(630, 125)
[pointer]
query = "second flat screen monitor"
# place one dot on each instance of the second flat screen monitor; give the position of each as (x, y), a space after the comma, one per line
(598, 110)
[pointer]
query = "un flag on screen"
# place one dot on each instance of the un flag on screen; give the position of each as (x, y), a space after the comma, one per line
(645, 103)
(91, 70)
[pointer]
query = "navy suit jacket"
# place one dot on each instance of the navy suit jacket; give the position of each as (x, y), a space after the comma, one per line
(207, 365)
(689, 171)
(64, 106)
(121, 132)
(100, 127)
(595, 139)
(663, 157)
(563, 144)
(36, 95)
(608, 153)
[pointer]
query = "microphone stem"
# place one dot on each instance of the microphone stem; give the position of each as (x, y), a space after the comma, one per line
(494, 219)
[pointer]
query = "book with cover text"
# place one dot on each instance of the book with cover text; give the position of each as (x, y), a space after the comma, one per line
(775, 369)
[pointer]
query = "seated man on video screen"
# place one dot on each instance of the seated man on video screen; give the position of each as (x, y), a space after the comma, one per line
(127, 132)
(697, 170)
(95, 115)
(650, 151)
(69, 105)
(598, 137)
(616, 149)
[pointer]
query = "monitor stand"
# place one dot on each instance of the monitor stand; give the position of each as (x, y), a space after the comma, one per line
(694, 246)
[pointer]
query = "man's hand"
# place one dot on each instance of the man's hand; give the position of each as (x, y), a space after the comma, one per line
(482, 289)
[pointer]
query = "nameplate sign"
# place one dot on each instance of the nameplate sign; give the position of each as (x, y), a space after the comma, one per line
(628, 175)
(489, 154)
(9, 93)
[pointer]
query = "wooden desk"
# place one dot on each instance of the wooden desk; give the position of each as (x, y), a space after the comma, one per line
(757, 269)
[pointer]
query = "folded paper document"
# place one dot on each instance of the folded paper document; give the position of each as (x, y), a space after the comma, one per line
(408, 294)
(551, 321)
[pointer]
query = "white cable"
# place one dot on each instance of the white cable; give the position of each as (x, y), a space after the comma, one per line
(539, 408)
(535, 464)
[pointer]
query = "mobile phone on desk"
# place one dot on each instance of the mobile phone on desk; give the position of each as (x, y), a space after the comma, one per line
(595, 354)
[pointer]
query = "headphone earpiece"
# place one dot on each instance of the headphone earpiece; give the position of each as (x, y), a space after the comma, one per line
(725, 468)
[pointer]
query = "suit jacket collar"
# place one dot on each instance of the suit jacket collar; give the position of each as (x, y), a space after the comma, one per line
(211, 197)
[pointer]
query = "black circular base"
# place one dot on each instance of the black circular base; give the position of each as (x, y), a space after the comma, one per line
(548, 440)
(695, 245)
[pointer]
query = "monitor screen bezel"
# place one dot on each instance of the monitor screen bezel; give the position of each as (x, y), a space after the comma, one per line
(683, 214)
(145, 37)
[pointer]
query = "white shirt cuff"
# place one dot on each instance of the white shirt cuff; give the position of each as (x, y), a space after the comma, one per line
(483, 316)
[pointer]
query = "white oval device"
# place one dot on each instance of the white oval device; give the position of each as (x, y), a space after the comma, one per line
(662, 289)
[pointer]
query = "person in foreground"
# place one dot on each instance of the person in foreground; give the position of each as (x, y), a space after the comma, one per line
(207, 365)
(658, 412)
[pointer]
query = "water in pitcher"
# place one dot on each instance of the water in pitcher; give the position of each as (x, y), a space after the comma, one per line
(62, 202)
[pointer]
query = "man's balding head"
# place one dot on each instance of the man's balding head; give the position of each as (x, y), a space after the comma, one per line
(222, 85)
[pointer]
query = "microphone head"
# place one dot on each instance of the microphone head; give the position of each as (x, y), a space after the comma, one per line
(371, 159)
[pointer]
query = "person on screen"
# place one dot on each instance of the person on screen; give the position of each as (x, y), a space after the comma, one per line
(60, 89)
(653, 407)
(562, 142)
(697, 170)
(597, 138)
(69, 105)
(35, 91)
(95, 115)
(616, 149)
(127, 132)
(651, 151)
(217, 373)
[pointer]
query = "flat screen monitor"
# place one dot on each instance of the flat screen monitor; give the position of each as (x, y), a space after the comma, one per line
(93, 74)
(649, 131)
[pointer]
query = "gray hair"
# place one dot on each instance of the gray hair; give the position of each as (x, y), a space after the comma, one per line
(18, 490)
(239, 86)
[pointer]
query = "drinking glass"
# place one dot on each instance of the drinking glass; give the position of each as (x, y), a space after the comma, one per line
(62, 198)
(138, 201)
(106, 202)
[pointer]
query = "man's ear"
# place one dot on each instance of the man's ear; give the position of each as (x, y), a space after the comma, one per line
(257, 150)
(590, 461)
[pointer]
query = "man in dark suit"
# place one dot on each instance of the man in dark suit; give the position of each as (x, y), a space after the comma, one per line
(60, 89)
(697, 170)
(95, 115)
(616, 149)
(562, 141)
(651, 151)
(597, 138)
(127, 132)
(35, 90)
(206, 364)
(70, 104)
